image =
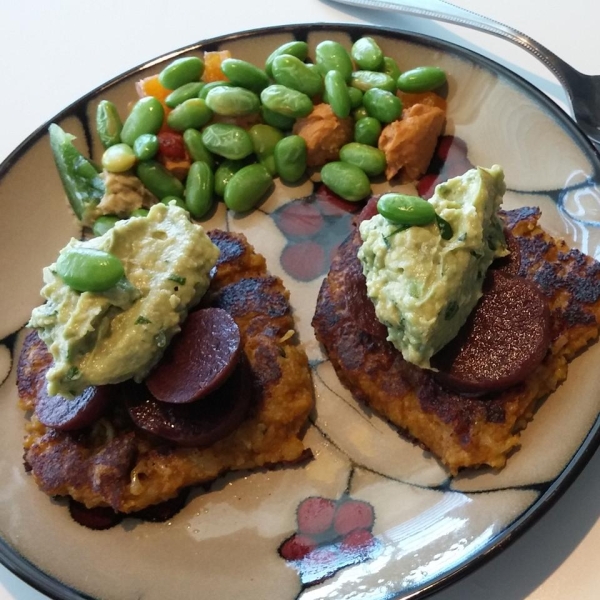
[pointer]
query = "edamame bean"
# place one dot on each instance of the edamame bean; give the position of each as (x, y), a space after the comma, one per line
(245, 74)
(391, 68)
(146, 116)
(227, 169)
(232, 101)
(192, 139)
(332, 56)
(159, 180)
(229, 141)
(290, 158)
(264, 139)
(276, 120)
(356, 97)
(296, 48)
(199, 189)
(360, 112)
(178, 201)
(367, 54)
(366, 80)
(337, 94)
(140, 212)
(191, 113)
(421, 79)
(89, 270)
(118, 158)
(382, 105)
(406, 210)
(285, 101)
(181, 71)
(346, 180)
(108, 123)
(369, 159)
(183, 93)
(103, 223)
(211, 86)
(246, 188)
(146, 146)
(293, 73)
(367, 131)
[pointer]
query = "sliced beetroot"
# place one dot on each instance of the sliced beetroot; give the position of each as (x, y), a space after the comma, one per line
(200, 358)
(98, 518)
(197, 424)
(506, 336)
(67, 414)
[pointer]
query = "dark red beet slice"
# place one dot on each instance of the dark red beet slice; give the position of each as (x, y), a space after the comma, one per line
(200, 358)
(100, 517)
(66, 414)
(506, 336)
(198, 423)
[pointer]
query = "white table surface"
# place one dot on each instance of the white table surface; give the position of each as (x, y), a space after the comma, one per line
(52, 52)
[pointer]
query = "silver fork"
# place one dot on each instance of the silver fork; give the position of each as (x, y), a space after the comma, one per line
(583, 90)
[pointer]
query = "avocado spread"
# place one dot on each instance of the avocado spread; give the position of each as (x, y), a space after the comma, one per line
(121, 333)
(424, 287)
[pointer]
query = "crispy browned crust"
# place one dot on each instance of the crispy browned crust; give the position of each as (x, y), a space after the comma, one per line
(461, 431)
(114, 464)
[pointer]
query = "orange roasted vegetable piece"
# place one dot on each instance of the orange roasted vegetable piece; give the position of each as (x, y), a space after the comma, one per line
(151, 86)
(427, 98)
(212, 66)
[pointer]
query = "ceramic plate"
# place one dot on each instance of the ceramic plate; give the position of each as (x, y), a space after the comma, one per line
(425, 528)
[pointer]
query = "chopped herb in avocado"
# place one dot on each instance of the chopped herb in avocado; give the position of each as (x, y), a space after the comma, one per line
(177, 279)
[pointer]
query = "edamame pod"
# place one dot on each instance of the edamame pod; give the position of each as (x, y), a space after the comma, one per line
(232, 101)
(183, 93)
(367, 54)
(227, 169)
(181, 71)
(228, 141)
(211, 86)
(276, 120)
(193, 113)
(290, 158)
(108, 123)
(293, 73)
(246, 188)
(103, 224)
(192, 139)
(159, 180)
(245, 74)
(337, 94)
(382, 105)
(346, 180)
(370, 160)
(146, 146)
(296, 48)
(366, 80)
(421, 79)
(285, 101)
(199, 189)
(406, 210)
(367, 131)
(118, 158)
(88, 269)
(146, 116)
(332, 56)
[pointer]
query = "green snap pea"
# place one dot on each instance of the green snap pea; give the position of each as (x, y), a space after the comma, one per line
(192, 139)
(290, 158)
(421, 79)
(366, 80)
(178, 201)
(159, 180)
(191, 113)
(211, 86)
(140, 212)
(89, 270)
(183, 93)
(232, 101)
(295, 48)
(228, 141)
(391, 68)
(367, 54)
(286, 101)
(332, 56)
(104, 223)
(108, 123)
(356, 97)
(245, 74)
(246, 188)
(199, 188)
(360, 112)
(226, 170)
(276, 120)
(118, 158)
(293, 73)
(370, 160)
(181, 71)
(346, 180)
(337, 94)
(406, 210)
(146, 116)
(382, 105)
(367, 131)
(146, 146)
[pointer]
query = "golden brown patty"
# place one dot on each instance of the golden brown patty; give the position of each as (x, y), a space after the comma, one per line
(461, 431)
(114, 464)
